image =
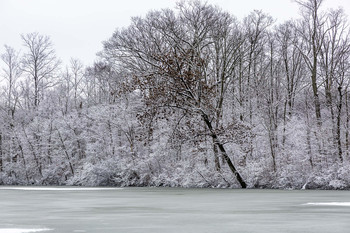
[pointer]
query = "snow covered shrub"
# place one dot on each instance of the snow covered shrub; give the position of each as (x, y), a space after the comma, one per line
(337, 184)
(99, 174)
(344, 173)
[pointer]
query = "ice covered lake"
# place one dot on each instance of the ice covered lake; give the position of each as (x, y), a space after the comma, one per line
(158, 210)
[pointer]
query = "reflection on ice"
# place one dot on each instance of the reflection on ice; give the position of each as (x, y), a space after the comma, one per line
(17, 230)
(57, 188)
(329, 203)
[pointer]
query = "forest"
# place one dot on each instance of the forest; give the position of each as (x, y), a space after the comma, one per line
(184, 97)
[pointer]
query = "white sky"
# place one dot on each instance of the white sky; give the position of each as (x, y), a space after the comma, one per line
(77, 27)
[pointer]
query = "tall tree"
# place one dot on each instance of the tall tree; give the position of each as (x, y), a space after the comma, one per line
(256, 25)
(77, 70)
(333, 66)
(311, 30)
(11, 73)
(169, 57)
(39, 63)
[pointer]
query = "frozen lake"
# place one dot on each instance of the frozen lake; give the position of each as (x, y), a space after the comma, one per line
(156, 210)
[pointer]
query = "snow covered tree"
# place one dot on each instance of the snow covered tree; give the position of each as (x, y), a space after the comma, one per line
(169, 58)
(39, 63)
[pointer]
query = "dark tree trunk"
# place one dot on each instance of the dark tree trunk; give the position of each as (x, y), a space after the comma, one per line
(223, 151)
(338, 133)
(347, 123)
(216, 157)
(0, 151)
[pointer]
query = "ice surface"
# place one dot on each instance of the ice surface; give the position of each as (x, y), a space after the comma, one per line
(57, 188)
(172, 210)
(17, 230)
(329, 203)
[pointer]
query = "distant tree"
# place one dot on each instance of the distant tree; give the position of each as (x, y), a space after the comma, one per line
(334, 59)
(291, 62)
(292, 69)
(106, 83)
(256, 26)
(65, 89)
(39, 63)
(311, 31)
(11, 73)
(77, 70)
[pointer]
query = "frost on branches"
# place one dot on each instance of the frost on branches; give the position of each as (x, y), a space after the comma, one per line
(190, 97)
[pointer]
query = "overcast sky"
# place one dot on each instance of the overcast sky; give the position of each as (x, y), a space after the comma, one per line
(77, 27)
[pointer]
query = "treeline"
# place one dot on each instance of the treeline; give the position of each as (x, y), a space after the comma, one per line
(190, 97)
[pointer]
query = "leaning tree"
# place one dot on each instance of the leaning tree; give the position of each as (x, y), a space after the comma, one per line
(174, 60)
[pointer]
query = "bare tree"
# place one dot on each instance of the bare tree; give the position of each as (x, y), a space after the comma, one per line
(293, 70)
(311, 30)
(227, 42)
(11, 73)
(168, 56)
(256, 25)
(334, 64)
(39, 63)
(77, 69)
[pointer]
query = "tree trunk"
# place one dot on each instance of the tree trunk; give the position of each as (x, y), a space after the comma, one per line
(36, 90)
(223, 151)
(216, 157)
(347, 123)
(23, 158)
(284, 136)
(338, 136)
(66, 153)
(308, 134)
(329, 103)
(0, 152)
(315, 93)
(315, 52)
(31, 147)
